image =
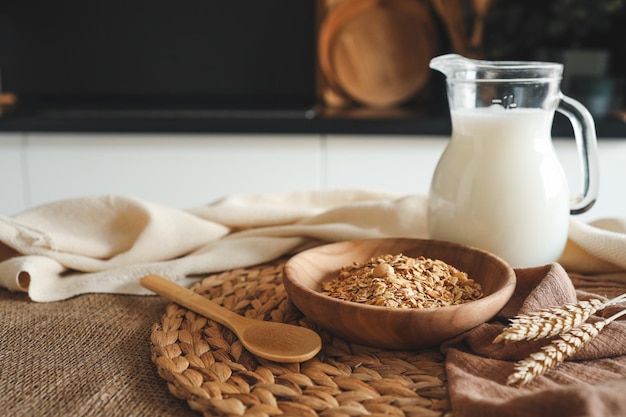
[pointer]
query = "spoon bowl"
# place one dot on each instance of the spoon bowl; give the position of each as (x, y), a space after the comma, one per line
(279, 342)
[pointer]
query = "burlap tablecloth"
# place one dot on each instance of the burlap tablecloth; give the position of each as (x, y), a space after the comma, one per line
(87, 356)
(90, 356)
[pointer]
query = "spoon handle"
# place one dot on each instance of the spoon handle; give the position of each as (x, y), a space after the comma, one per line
(190, 299)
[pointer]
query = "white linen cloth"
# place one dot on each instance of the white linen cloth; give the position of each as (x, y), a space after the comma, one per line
(107, 243)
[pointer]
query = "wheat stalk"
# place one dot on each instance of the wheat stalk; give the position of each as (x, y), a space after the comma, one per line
(557, 351)
(552, 321)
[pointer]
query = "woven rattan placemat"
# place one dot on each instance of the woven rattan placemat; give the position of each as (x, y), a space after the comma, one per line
(205, 364)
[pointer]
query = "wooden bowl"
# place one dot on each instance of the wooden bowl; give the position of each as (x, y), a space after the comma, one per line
(396, 328)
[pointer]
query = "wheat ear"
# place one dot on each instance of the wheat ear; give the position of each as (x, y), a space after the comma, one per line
(552, 321)
(557, 351)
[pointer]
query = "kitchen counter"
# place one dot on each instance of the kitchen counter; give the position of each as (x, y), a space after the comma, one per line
(89, 344)
(294, 121)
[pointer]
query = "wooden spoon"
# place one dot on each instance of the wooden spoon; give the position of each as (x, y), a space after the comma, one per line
(279, 342)
(481, 9)
(452, 14)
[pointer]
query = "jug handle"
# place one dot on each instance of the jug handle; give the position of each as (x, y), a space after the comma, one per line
(586, 143)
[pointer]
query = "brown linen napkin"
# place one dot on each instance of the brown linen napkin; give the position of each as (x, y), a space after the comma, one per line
(593, 383)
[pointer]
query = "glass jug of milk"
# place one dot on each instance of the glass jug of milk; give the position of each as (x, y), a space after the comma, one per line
(499, 185)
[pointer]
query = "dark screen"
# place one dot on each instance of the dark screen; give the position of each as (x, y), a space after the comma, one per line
(156, 52)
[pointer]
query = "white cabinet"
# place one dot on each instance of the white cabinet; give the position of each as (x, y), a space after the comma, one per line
(402, 164)
(13, 198)
(176, 170)
(186, 170)
(405, 165)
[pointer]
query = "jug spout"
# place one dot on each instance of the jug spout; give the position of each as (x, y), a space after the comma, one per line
(451, 64)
